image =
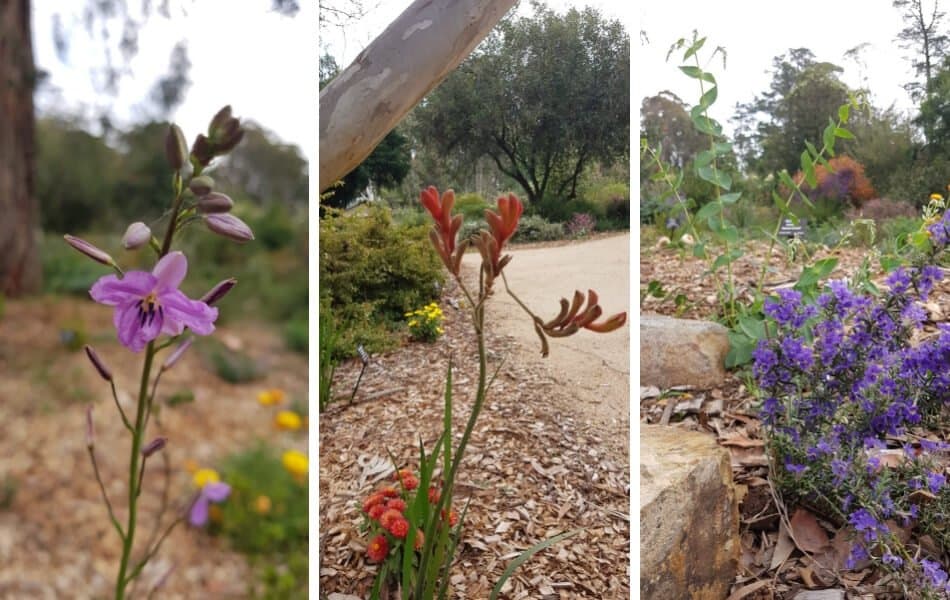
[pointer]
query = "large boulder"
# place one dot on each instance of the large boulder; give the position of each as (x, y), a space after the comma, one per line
(689, 518)
(682, 352)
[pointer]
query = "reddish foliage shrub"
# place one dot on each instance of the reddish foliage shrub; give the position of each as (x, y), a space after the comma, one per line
(845, 182)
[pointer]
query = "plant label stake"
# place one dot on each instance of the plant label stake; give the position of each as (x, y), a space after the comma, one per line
(790, 229)
(364, 357)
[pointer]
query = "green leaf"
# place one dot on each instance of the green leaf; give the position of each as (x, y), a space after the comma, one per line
(811, 149)
(704, 158)
(889, 263)
(694, 48)
(730, 198)
(843, 112)
(813, 274)
(808, 168)
(722, 148)
(828, 138)
(708, 209)
(715, 176)
(524, 556)
(699, 250)
(787, 179)
(841, 132)
(779, 202)
(740, 349)
(752, 327)
(709, 98)
(726, 259)
(697, 73)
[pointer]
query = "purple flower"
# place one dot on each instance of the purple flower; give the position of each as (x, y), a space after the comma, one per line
(935, 481)
(215, 491)
(149, 304)
(892, 559)
(937, 577)
(863, 520)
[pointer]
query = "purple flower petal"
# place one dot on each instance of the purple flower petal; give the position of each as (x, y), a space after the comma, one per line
(170, 271)
(181, 312)
(112, 291)
(198, 515)
(217, 491)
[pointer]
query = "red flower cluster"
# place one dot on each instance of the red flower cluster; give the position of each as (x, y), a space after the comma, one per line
(385, 510)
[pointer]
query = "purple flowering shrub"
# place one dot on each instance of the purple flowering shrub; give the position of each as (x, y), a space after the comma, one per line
(581, 224)
(852, 388)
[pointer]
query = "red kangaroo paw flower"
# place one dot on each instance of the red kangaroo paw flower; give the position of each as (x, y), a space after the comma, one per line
(503, 225)
(446, 227)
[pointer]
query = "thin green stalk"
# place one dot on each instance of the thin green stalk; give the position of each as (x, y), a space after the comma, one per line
(133, 472)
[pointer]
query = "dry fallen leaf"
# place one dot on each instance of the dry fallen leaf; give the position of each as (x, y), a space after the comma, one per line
(807, 533)
(784, 547)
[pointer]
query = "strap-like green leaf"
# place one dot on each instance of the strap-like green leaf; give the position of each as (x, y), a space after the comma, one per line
(524, 556)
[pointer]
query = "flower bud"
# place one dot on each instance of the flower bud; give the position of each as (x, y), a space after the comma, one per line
(97, 363)
(154, 446)
(176, 148)
(137, 235)
(202, 151)
(174, 356)
(218, 120)
(90, 435)
(214, 203)
(89, 250)
(230, 140)
(201, 185)
(229, 226)
(219, 291)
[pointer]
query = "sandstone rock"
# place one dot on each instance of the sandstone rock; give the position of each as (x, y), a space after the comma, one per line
(681, 352)
(689, 519)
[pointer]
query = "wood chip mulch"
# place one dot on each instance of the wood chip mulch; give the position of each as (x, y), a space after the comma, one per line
(534, 468)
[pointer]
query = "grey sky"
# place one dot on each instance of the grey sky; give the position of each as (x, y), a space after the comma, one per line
(755, 32)
(242, 54)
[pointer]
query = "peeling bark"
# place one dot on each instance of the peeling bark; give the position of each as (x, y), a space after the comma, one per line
(19, 262)
(410, 58)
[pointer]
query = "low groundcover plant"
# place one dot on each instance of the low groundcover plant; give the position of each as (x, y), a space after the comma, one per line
(416, 513)
(853, 393)
(151, 314)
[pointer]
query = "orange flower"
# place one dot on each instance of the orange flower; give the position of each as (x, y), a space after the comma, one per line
(503, 225)
(389, 492)
(420, 540)
(434, 494)
(446, 227)
(388, 516)
(378, 548)
(396, 504)
(410, 482)
(399, 527)
(376, 511)
(373, 500)
(453, 518)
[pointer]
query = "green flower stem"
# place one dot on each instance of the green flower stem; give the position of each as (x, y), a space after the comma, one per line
(105, 496)
(115, 396)
(176, 206)
(134, 485)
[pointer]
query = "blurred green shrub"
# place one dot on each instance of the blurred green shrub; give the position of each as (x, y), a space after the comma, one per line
(328, 338)
(535, 228)
(229, 365)
(472, 206)
(266, 517)
(373, 272)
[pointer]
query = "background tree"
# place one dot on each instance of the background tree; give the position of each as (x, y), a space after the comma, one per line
(924, 35)
(267, 171)
(804, 93)
(543, 97)
(19, 263)
(666, 124)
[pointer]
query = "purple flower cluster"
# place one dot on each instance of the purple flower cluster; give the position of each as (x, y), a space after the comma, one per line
(839, 378)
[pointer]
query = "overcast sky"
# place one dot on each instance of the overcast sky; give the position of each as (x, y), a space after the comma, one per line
(242, 53)
(753, 33)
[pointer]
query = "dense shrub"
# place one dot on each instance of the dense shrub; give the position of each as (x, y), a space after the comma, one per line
(617, 214)
(538, 229)
(914, 184)
(471, 206)
(373, 273)
(580, 225)
(844, 183)
(882, 209)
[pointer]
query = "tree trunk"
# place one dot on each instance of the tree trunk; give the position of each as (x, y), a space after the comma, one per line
(368, 99)
(19, 261)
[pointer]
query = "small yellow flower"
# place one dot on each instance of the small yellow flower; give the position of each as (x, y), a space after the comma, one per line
(203, 477)
(271, 397)
(440, 330)
(262, 505)
(289, 420)
(296, 463)
(413, 323)
(936, 197)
